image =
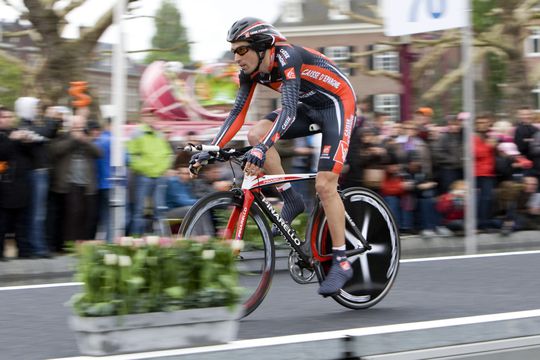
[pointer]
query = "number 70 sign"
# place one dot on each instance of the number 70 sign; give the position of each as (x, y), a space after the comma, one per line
(405, 17)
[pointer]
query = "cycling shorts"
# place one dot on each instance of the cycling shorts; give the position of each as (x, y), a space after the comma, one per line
(331, 123)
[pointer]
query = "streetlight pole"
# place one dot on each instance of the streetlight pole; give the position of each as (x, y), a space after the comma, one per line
(118, 198)
(468, 106)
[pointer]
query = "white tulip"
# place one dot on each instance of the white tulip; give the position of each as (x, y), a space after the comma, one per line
(152, 240)
(237, 245)
(110, 259)
(124, 260)
(126, 241)
(208, 254)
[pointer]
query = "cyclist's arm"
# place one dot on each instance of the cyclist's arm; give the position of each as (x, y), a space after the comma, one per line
(290, 70)
(237, 116)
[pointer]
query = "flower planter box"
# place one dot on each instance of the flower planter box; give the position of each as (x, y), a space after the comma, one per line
(107, 335)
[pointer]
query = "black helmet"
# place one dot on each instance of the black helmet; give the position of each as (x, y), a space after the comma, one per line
(260, 34)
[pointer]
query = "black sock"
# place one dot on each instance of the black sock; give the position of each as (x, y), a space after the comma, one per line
(293, 204)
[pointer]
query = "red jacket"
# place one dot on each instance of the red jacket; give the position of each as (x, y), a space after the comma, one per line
(449, 209)
(484, 154)
(392, 186)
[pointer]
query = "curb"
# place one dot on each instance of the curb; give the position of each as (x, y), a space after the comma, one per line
(63, 267)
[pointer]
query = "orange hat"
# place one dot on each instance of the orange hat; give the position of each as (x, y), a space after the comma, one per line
(426, 111)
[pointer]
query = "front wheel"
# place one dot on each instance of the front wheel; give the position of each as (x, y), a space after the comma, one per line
(210, 218)
(376, 269)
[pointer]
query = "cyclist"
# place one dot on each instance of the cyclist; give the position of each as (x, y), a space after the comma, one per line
(315, 97)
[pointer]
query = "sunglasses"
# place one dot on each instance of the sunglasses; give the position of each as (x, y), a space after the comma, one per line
(241, 50)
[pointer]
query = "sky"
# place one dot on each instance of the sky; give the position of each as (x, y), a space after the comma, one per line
(206, 21)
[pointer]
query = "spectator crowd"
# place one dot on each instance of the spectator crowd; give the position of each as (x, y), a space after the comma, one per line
(55, 174)
(417, 167)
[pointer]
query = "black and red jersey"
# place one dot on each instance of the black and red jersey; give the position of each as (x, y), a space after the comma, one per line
(300, 75)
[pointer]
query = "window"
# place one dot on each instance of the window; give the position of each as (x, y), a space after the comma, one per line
(340, 55)
(389, 104)
(387, 61)
(532, 45)
(292, 11)
(536, 97)
(335, 12)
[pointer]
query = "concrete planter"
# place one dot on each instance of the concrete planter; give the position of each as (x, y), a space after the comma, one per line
(153, 331)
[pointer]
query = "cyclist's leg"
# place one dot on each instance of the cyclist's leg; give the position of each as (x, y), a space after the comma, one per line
(326, 185)
(272, 165)
(337, 127)
(341, 271)
(293, 202)
(301, 126)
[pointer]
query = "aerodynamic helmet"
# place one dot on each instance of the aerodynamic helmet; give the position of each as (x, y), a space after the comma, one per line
(259, 33)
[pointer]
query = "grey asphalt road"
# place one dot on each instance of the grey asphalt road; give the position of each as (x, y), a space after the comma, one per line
(33, 322)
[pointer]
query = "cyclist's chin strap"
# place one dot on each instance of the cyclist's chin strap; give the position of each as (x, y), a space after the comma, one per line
(261, 57)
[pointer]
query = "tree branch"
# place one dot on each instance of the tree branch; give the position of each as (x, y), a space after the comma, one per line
(523, 12)
(372, 52)
(452, 77)
(389, 74)
(44, 21)
(14, 34)
(89, 38)
(15, 60)
(427, 61)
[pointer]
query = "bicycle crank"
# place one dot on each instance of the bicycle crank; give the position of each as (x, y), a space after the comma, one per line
(301, 272)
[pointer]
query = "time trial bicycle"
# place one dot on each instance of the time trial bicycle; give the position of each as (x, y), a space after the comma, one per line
(243, 213)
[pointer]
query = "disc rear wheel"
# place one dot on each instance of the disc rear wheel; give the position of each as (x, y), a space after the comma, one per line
(375, 270)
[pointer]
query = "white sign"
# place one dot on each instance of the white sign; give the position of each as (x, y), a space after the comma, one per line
(405, 17)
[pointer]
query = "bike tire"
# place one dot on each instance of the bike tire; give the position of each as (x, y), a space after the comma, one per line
(256, 261)
(376, 269)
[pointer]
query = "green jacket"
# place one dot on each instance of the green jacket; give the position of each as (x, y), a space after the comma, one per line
(149, 152)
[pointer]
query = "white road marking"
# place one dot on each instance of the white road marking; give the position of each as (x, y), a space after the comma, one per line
(38, 286)
(403, 261)
(326, 335)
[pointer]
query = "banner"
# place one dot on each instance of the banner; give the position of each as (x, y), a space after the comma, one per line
(405, 17)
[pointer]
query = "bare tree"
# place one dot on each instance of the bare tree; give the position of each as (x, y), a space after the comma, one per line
(61, 60)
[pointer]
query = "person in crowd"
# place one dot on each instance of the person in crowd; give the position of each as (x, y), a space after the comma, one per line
(532, 207)
(424, 193)
(447, 153)
(364, 112)
(510, 168)
(179, 196)
(423, 118)
(484, 154)
(524, 131)
(101, 136)
(45, 123)
(412, 143)
(15, 168)
(380, 124)
(365, 160)
(535, 156)
(74, 156)
(150, 156)
(503, 131)
(451, 206)
(396, 191)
